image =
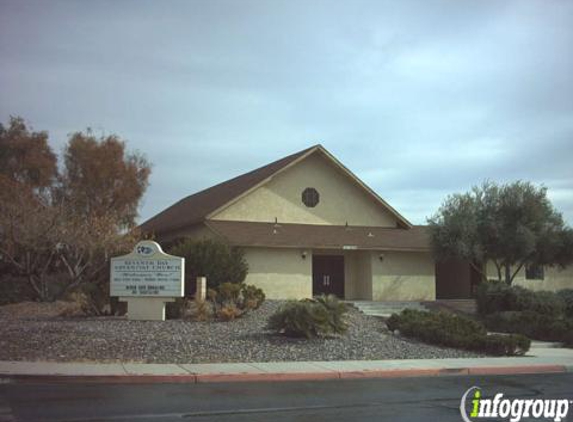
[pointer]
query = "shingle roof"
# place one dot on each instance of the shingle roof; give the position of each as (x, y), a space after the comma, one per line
(241, 233)
(196, 207)
(199, 206)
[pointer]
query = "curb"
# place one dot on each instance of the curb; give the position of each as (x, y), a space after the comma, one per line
(284, 376)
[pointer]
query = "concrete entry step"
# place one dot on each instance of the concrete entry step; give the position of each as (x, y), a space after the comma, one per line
(385, 309)
(466, 306)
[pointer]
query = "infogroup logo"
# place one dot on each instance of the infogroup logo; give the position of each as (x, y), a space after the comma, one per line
(474, 406)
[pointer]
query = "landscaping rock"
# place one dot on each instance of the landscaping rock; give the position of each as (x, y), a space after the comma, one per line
(109, 339)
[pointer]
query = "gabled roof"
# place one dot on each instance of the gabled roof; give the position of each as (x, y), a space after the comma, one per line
(200, 206)
(287, 235)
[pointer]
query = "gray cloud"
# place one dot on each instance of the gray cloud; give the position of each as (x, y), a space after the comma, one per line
(420, 99)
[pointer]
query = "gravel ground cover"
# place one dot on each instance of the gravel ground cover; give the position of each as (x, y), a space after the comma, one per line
(24, 336)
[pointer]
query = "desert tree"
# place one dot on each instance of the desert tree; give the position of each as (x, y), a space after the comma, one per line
(510, 225)
(67, 224)
(29, 234)
(26, 156)
(101, 179)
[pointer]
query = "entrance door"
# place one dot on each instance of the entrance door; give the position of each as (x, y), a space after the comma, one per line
(328, 275)
(455, 279)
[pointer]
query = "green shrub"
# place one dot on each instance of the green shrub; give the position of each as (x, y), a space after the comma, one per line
(299, 319)
(567, 296)
(320, 317)
(531, 324)
(547, 303)
(452, 330)
(253, 297)
(217, 261)
(493, 296)
(228, 293)
(510, 345)
(336, 311)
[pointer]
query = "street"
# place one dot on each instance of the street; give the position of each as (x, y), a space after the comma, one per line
(404, 399)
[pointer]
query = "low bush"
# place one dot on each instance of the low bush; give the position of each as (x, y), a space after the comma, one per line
(451, 330)
(253, 297)
(14, 289)
(567, 296)
(506, 345)
(242, 296)
(229, 293)
(531, 324)
(190, 309)
(543, 302)
(229, 301)
(229, 312)
(93, 299)
(199, 310)
(494, 296)
(320, 317)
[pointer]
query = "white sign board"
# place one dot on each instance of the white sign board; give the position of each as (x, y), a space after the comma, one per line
(147, 272)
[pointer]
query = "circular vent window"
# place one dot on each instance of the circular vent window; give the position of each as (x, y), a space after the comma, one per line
(310, 197)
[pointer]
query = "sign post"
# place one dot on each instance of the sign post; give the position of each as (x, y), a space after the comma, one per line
(147, 279)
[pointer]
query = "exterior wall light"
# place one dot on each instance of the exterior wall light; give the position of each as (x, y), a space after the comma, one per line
(303, 254)
(381, 257)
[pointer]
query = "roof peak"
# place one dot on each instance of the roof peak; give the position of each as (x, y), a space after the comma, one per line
(201, 205)
(195, 207)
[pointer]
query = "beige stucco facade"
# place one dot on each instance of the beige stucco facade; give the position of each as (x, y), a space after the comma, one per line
(554, 279)
(281, 273)
(403, 276)
(341, 199)
(358, 275)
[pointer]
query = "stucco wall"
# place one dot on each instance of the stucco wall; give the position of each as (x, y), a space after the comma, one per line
(554, 278)
(357, 275)
(341, 200)
(403, 276)
(281, 273)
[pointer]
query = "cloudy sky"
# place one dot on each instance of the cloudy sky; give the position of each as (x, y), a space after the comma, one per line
(418, 98)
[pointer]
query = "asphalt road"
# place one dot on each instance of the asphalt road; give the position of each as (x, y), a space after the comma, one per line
(405, 399)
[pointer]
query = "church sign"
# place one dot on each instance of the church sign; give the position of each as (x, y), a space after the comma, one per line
(147, 272)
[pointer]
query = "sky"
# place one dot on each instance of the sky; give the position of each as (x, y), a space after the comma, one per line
(420, 99)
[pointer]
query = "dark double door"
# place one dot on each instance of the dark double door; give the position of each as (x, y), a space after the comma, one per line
(328, 275)
(456, 279)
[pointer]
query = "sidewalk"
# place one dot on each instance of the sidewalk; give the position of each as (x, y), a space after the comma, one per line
(542, 358)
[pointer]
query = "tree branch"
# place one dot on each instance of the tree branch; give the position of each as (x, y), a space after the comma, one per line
(479, 270)
(516, 271)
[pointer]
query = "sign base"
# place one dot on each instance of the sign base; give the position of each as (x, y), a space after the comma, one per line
(146, 308)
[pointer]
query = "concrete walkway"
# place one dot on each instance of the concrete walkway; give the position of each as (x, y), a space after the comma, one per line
(542, 358)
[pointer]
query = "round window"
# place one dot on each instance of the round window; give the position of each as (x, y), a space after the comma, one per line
(310, 197)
